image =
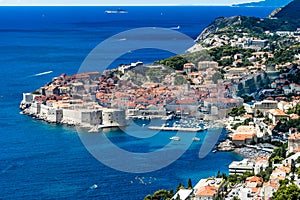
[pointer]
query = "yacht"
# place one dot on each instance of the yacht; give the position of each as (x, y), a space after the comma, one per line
(196, 139)
(175, 138)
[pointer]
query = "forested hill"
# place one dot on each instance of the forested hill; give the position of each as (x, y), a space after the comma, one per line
(290, 11)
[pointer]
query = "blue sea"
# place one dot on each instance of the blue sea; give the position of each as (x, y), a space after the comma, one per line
(42, 161)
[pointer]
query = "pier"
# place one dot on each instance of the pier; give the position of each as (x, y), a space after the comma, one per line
(163, 128)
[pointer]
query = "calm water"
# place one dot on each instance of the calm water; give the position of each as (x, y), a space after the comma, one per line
(44, 161)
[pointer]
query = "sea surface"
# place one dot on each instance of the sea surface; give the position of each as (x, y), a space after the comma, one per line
(42, 161)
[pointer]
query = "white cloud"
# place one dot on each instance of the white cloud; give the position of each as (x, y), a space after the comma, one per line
(123, 2)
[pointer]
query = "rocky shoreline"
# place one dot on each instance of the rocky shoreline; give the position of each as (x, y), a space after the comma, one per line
(251, 153)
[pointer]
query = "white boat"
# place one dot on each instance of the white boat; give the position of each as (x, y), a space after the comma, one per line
(175, 28)
(118, 11)
(95, 186)
(94, 130)
(175, 138)
(214, 151)
(196, 139)
(169, 117)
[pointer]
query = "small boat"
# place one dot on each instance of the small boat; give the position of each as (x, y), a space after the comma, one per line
(175, 28)
(118, 11)
(214, 151)
(95, 186)
(169, 117)
(196, 139)
(175, 138)
(94, 130)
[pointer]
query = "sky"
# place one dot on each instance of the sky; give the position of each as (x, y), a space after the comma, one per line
(122, 2)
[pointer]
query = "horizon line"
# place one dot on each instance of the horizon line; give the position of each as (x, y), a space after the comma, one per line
(114, 5)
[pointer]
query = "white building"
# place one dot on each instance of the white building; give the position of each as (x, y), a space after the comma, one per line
(183, 194)
(239, 167)
(208, 189)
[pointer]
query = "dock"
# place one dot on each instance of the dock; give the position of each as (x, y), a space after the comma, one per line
(163, 128)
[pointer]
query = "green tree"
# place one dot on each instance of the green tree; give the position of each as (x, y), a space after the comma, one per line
(217, 76)
(179, 80)
(180, 186)
(290, 192)
(218, 174)
(190, 186)
(237, 111)
(224, 176)
(148, 197)
(161, 195)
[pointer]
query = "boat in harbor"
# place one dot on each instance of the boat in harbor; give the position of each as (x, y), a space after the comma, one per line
(175, 138)
(196, 139)
(214, 151)
(118, 11)
(169, 117)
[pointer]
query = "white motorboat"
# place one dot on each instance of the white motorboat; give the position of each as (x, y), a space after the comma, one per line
(175, 138)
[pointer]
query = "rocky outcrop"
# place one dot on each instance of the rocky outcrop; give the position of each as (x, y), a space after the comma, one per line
(218, 24)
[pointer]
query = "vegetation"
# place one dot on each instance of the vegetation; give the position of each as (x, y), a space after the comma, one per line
(179, 80)
(36, 92)
(217, 76)
(247, 98)
(284, 126)
(237, 178)
(295, 110)
(244, 123)
(168, 194)
(175, 62)
(218, 52)
(235, 112)
(279, 153)
(190, 186)
(295, 78)
(160, 195)
(287, 192)
(265, 174)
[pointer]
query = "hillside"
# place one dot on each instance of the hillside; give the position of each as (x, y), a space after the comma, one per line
(270, 3)
(284, 19)
(290, 12)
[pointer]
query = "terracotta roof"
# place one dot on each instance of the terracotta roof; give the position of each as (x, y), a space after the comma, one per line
(261, 159)
(255, 179)
(277, 112)
(207, 191)
(294, 116)
(296, 150)
(242, 136)
(294, 136)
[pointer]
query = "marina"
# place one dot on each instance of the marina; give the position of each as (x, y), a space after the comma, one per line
(163, 128)
(185, 125)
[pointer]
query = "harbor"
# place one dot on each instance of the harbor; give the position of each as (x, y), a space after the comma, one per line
(164, 128)
(184, 124)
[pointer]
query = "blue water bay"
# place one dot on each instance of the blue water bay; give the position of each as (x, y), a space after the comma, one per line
(43, 161)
